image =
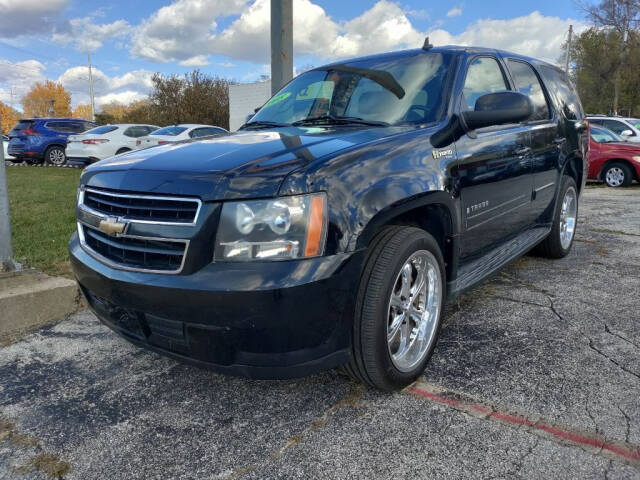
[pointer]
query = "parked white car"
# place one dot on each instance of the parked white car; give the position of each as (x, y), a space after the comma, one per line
(627, 128)
(176, 133)
(5, 146)
(105, 141)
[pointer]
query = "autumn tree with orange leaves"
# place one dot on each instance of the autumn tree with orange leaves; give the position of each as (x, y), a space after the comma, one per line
(37, 103)
(8, 118)
(82, 111)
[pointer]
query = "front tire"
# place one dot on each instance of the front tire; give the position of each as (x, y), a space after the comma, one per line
(398, 308)
(559, 241)
(617, 175)
(123, 150)
(55, 156)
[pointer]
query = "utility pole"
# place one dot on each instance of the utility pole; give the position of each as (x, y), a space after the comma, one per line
(566, 67)
(11, 94)
(93, 108)
(281, 43)
(6, 252)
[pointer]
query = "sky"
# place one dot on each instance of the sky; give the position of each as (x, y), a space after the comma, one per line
(130, 40)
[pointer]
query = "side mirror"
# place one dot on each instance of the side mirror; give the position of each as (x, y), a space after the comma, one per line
(498, 108)
(626, 133)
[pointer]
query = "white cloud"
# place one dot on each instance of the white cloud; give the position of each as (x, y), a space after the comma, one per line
(187, 32)
(316, 33)
(182, 30)
(86, 36)
(19, 77)
(132, 85)
(124, 98)
(27, 17)
(454, 12)
(195, 61)
(535, 35)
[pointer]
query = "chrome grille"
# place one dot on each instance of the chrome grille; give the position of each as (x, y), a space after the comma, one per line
(136, 253)
(143, 208)
(100, 210)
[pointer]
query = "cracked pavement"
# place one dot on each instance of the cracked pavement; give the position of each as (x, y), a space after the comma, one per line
(558, 340)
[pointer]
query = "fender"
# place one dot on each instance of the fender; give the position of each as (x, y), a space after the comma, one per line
(384, 216)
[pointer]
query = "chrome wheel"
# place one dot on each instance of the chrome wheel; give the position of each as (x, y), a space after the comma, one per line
(568, 214)
(414, 308)
(614, 177)
(56, 156)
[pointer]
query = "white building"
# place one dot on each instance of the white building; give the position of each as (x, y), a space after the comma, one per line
(244, 98)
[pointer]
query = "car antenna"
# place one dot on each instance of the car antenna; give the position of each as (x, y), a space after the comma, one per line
(427, 45)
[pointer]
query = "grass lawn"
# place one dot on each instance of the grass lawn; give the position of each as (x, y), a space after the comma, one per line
(42, 203)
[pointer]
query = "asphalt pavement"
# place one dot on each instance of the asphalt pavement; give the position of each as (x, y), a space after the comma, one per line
(537, 375)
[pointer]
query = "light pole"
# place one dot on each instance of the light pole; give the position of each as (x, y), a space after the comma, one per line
(566, 67)
(281, 43)
(6, 252)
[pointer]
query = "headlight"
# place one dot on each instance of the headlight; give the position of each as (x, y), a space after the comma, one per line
(280, 229)
(637, 159)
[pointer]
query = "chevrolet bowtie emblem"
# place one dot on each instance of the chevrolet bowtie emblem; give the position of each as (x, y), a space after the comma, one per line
(111, 226)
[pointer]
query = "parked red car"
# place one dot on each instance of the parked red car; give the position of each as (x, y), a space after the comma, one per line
(611, 159)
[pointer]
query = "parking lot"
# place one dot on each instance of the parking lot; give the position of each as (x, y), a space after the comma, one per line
(537, 375)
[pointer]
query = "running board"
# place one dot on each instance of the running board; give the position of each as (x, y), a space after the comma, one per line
(475, 271)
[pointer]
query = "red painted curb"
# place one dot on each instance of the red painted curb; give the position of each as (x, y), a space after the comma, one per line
(624, 450)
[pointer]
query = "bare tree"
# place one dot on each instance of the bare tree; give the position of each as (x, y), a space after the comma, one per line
(622, 16)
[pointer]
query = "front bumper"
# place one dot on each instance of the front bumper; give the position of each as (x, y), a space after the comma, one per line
(262, 320)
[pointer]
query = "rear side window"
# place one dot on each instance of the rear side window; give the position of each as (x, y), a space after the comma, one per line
(63, 127)
(616, 126)
(484, 76)
(528, 84)
(102, 130)
(563, 91)
(136, 131)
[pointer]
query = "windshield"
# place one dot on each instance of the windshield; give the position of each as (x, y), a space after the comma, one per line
(102, 130)
(602, 135)
(394, 90)
(170, 131)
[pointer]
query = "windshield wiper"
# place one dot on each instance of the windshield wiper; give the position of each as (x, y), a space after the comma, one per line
(335, 120)
(262, 124)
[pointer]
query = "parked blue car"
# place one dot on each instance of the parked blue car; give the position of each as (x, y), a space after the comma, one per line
(38, 140)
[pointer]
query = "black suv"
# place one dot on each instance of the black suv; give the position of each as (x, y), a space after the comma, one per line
(333, 227)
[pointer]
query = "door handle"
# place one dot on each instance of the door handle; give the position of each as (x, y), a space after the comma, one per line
(523, 151)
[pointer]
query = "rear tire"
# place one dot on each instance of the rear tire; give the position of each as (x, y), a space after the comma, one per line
(123, 150)
(559, 241)
(55, 156)
(617, 174)
(398, 308)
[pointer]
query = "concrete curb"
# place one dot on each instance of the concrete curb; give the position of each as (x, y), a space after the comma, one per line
(31, 299)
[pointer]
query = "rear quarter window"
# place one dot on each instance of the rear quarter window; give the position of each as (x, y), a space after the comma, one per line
(21, 125)
(102, 130)
(563, 92)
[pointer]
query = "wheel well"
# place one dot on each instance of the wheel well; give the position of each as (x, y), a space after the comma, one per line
(575, 168)
(435, 219)
(618, 160)
(54, 145)
(123, 149)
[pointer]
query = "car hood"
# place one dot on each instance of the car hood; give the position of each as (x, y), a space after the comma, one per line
(247, 164)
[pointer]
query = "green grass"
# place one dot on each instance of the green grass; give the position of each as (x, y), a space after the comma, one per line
(42, 203)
